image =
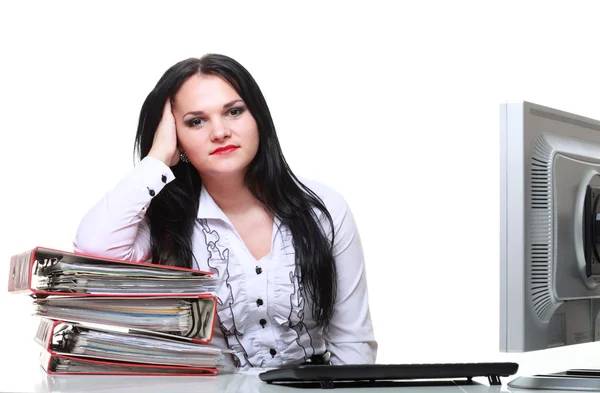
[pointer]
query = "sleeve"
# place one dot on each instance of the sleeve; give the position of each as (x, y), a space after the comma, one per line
(349, 336)
(115, 227)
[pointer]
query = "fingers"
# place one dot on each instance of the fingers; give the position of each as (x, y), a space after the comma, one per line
(167, 109)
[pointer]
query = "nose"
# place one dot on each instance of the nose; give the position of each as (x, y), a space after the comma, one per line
(220, 131)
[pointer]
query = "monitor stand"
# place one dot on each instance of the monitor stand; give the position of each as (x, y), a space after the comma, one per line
(576, 380)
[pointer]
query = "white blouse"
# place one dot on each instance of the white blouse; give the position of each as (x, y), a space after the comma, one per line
(263, 314)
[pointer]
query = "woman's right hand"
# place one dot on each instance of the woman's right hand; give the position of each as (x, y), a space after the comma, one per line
(164, 144)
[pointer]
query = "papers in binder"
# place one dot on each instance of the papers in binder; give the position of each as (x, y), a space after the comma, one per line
(61, 364)
(44, 271)
(106, 343)
(183, 315)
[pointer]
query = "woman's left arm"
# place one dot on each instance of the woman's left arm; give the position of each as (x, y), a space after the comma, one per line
(349, 336)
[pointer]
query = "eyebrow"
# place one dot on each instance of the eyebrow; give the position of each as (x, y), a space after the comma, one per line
(226, 106)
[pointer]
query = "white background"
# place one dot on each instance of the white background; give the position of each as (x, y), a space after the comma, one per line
(394, 104)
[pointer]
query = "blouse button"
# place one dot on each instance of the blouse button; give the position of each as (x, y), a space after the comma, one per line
(263, 322)
(258, 270)
(259, 302)
(273, 352)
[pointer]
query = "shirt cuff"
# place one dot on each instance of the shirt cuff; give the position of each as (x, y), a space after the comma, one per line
(151, 176)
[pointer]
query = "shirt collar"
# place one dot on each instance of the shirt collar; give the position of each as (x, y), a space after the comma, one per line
(208, 208)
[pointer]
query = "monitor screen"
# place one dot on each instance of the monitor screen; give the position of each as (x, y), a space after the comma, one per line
(550, 228)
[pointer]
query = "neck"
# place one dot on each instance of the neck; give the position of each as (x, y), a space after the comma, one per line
(230, 193)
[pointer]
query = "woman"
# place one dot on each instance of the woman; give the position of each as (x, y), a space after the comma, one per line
(213, 192)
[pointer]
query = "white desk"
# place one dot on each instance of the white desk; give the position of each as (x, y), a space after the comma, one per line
(36, 380)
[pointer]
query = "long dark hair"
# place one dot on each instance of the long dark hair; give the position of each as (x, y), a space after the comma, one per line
(172, 213)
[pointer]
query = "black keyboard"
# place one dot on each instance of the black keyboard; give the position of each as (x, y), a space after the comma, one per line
(327, 375)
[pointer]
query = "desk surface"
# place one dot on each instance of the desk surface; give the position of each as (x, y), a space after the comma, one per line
(242, 383)
(36, 380)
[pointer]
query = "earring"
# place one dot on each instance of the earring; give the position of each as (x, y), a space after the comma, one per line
(183, 157)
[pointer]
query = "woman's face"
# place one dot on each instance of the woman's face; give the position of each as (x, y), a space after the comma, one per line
(214, 126)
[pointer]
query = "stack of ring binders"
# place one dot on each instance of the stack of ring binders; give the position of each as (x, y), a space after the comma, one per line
(114, 317)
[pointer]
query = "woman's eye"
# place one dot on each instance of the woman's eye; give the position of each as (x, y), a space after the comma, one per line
(236, 111)
(195, 122)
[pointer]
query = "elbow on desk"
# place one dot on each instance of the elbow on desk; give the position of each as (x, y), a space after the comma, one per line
(355, 353)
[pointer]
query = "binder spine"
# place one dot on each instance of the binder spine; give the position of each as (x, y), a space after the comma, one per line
(45, 332)
(20, 272)
(203, 322)
(213, 318)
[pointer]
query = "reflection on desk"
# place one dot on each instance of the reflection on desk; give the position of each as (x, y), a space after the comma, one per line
(244, 382)
(28, 379)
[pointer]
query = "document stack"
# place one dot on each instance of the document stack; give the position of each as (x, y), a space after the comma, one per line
(108, 316)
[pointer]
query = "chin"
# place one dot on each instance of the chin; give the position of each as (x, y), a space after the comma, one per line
(225, 170)
(225, 166)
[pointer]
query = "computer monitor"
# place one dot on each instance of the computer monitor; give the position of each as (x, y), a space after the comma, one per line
(550, 228)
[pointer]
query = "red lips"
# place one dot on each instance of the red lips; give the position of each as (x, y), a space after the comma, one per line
(225, 149)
